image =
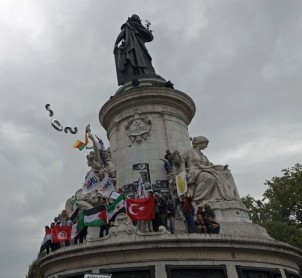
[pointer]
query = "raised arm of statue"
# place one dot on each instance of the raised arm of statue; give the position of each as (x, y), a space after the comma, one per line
(97, 157)
(94, 158)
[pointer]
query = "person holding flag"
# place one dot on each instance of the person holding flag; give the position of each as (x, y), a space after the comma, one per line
(141, 193)
(46, 243)
(105, 226)
(141, 209)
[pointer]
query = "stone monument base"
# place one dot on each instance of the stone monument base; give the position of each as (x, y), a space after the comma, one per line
(127, 252)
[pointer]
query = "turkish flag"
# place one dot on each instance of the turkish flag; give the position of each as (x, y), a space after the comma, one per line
(140, 209)
(60, 234)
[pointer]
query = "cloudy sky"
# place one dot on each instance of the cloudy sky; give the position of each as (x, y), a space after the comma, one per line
(239, 60)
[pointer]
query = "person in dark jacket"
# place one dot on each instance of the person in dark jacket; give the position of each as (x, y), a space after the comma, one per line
(170, 216)
(213, 227)
(188, 211)
(201, 228)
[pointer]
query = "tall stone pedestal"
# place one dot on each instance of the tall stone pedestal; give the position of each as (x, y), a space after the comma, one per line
(141, 124)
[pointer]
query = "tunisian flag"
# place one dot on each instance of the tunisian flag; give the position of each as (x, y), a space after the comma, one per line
(140, 209)
(60, 234)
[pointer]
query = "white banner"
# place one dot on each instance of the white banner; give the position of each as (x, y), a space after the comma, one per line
(181, 183)
(91, 183)
(106, 186)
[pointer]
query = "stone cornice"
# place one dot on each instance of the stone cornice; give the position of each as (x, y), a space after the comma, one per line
(147, 96)
(125, 244)
(200, 246)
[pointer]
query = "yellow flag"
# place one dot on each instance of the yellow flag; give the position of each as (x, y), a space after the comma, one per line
(181, 183)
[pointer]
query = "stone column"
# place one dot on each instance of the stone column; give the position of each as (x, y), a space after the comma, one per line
(141, 124)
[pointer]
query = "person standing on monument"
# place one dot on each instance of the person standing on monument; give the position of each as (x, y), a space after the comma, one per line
(188, 212)
(168, 162)
(105, 227)
(64, 221)
(170, 214)
(132, 58)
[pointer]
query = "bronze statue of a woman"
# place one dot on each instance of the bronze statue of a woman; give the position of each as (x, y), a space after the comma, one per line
(132, 58)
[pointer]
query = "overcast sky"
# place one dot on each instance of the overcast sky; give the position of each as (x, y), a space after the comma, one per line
(240, 61)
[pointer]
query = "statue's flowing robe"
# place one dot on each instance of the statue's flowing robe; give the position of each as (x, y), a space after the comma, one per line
(209, 184)
(132, 56)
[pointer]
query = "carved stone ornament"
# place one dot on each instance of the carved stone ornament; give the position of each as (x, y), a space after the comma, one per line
(124, 230)
(138, 127)
(123, 226)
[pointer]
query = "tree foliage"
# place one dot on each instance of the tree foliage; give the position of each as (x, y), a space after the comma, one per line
(284, 196)
(280, 210)
(33, 270)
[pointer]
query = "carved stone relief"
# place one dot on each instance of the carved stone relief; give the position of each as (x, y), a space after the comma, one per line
(138, 127)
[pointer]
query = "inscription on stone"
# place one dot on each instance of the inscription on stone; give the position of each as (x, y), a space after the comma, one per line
(241, 214)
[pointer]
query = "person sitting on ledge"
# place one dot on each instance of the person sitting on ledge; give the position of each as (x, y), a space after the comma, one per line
(213, 227)
(206, 211)
(200, 225)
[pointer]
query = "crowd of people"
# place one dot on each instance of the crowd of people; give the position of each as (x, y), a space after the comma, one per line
(205, 221)
(77, 236)
(48, 243)
(165, 211)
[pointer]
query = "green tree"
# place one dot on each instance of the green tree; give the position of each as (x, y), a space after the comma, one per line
(255, 208)
(33, 270)
(284, 197)
(280, 210)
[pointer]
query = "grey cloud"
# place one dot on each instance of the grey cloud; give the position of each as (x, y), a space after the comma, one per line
(239, 61)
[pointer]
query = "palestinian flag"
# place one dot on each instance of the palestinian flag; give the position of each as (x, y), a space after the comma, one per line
(74, 215)
(118, 206)
(80, 145)
(94, 217)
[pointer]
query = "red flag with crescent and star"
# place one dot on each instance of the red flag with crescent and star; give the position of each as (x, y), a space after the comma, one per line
(140, 209)
(60, 234)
